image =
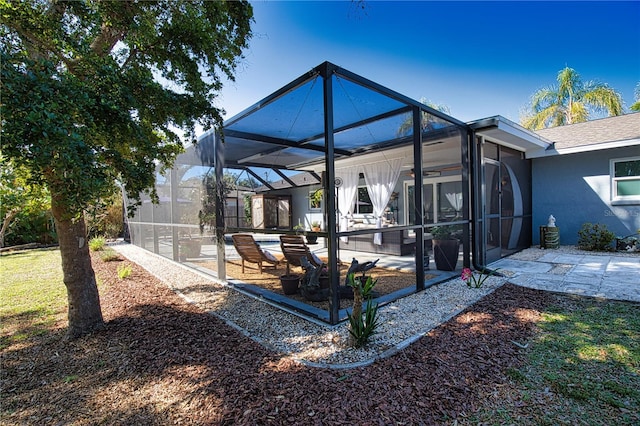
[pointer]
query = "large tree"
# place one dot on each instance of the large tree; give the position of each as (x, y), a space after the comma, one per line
(570, 101)
(95, 93)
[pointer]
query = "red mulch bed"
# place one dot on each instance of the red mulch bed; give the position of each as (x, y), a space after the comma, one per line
(163, 361)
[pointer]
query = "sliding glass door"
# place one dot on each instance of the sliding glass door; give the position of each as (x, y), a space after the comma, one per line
(442, 200)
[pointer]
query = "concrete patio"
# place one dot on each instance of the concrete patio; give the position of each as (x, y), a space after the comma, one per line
(611, 276)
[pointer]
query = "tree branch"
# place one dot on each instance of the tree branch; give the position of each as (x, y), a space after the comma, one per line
(10, 215)
(106, 39)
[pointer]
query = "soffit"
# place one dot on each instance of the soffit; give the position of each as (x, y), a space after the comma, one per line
(507, 133)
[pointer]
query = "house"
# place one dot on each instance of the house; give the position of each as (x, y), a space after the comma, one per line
(590, 173)
(391, 171)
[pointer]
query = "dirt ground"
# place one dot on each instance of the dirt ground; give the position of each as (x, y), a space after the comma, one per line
(388, 280)
(163, 361)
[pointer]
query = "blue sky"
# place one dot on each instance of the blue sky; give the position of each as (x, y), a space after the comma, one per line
(478, 58)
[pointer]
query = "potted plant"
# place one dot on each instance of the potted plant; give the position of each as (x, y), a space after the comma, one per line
(289, 281)
(189, 247)
(445, 247)
(315, 227)
(315, 199)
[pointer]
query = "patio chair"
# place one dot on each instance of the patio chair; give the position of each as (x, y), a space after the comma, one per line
(251, 252)
(294, 248)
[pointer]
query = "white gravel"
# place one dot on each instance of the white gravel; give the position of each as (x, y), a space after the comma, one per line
(315, 343)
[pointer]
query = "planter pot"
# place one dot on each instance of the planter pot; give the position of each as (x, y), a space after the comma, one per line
(290, 283)
(445, 254)
(324, 281)
(321, 295)
(189, 248)
(312, 239)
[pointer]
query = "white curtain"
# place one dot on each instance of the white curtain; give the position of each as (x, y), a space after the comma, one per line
(455, 199)
(381, 179)
(346, 196)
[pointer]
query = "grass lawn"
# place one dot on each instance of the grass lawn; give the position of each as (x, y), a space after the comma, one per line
(582, 367)
(33, 298)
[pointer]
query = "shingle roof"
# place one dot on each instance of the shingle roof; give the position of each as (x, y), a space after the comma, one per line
(605, 130)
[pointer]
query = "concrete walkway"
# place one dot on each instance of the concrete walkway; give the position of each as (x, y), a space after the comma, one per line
(607, 276)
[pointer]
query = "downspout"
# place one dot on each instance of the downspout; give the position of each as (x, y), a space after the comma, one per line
(475, 190)
(466, 197)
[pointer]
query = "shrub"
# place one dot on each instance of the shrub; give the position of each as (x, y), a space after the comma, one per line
(105, 218)
(97, 243)
(476, 280)
(595, 237)
(361, 329)
(109, 255)
(629, 243)
(31, 227)
(124, 271)
(442, 233)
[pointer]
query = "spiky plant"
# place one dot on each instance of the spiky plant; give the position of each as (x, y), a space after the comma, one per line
(361, 329)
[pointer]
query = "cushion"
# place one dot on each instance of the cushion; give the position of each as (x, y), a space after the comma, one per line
(269, 256)
(316, 259)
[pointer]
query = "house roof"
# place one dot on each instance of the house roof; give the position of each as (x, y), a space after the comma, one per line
(510, 134)
(611, 132)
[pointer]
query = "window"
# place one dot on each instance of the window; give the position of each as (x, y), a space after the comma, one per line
(442, 199)
(363, 204)
(449, 201)
(315, 199)
(625, 180)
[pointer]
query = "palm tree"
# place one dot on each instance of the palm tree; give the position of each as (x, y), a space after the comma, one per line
(428, 120)
(571, 101)
(636, 105)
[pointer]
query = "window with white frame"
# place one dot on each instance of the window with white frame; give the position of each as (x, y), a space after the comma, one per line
(625, 180)
(442, 199)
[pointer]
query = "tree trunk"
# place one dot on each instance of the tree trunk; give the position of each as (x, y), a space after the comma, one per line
(85, 314)
(356, 311)
(5, 224)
